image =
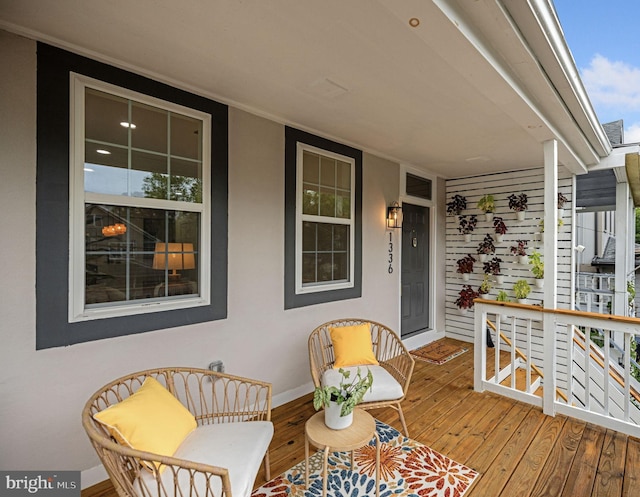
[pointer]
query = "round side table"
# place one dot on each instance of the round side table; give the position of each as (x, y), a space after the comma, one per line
(362, 430)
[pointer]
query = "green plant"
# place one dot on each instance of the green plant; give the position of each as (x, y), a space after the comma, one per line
(502, 296)
(487, 203)
(521, 289)
(631, 290)
(541, 224)
(485, 286)
(537, 266)
(348, 394)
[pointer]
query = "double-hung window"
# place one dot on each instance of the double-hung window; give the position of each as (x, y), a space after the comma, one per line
(326, 220)
(131, 203)
(323, 228)
(139, 217)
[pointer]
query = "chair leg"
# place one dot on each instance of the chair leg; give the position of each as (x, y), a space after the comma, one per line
(402, 421)
(267, 467)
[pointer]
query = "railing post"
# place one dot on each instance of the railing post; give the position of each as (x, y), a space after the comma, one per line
(549, 367)
(480, 348)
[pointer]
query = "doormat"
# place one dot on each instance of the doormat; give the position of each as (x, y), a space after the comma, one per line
(407, 469)
(438, 352)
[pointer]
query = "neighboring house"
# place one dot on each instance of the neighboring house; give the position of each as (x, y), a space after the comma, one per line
(290, 127)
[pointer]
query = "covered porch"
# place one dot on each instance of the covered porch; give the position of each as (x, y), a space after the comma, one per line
(515, 447)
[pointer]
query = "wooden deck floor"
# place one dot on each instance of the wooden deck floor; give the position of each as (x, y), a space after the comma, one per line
(516, 448)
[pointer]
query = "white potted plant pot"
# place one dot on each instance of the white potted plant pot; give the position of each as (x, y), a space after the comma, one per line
(522, 301)
(467, 237)
(465, 276)
(539, 282)
(499, 279)
(499, 237)
(520, 215)
(522, 259)
(482, 257)
(333, 419)
(463, 310)
(488, 216)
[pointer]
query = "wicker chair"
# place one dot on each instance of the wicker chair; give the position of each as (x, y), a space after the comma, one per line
(387, 347)
(229, 402)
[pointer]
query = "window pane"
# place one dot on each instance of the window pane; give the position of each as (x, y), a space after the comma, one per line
(327, 202)
(325, 255)
(418, 187)
(327, 172)
(310, 199)
(135, 253)
(186, 180)
(151, 128)
(311, 167)
(186, 137)
(343, 204)
(103, 115)
(343, 176)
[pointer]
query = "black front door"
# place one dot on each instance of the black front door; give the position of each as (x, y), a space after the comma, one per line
(415, 269)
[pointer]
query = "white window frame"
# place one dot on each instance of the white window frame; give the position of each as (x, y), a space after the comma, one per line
(78, 197)
(300, 218)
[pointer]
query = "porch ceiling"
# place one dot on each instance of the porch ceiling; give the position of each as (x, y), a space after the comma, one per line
(461, 92)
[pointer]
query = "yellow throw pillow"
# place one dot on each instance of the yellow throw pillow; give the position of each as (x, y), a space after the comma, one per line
(352, 345)
(151, 420)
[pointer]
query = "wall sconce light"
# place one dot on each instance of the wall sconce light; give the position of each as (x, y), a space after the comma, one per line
(394, 215)
(175, 257)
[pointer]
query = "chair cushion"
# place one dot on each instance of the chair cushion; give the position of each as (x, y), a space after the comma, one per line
(151, 419)
(385, 386)
(238, 447)
(352, 345)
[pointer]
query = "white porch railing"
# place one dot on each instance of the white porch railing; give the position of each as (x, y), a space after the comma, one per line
(595, 292)
(547, 348)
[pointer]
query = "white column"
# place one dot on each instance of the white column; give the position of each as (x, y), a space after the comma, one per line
(623, 245)
(550, 272)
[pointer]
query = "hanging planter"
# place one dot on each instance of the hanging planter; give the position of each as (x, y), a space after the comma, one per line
(518, 203)
(466, 226)
(486, 248)
(466, 297)
(537, 268)
(520, 251)
(521, 290)
(465, 266)
(457, 205)
(500, 228)
(561, 201)
(488, 206)
(492, 268)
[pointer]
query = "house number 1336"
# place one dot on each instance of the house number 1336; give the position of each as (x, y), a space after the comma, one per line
(390, 252)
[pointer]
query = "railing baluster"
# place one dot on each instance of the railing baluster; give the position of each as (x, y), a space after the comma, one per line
(607, 357)
(587, 368)
(496, 349)
(569, 338)
(513, 355)
(529, 356)
(627, 376)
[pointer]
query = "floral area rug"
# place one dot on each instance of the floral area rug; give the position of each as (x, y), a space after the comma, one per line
(407, 468)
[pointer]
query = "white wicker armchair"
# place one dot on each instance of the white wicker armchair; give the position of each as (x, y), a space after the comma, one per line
(388, 349)
(219, 399)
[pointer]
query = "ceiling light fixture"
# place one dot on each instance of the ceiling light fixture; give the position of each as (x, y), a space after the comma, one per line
(125, 124)
(103, 151)
(414, 22)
